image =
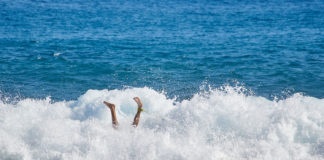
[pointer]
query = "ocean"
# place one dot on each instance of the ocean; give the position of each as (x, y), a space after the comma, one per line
(218, 79)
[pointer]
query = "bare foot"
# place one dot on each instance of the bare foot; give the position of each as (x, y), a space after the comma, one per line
(110, 105)
(139, 110)
(138, 101)
(113, 113)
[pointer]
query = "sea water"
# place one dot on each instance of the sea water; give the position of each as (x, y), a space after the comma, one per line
(218, 79)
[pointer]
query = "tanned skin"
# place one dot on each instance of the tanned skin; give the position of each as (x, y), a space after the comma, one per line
(113, 113)
(114, 117)
(139, 110)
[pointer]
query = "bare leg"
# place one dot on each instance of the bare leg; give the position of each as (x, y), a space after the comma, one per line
(139, 110)
(113, 113)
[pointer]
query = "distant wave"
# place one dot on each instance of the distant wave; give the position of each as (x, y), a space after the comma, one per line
(214, 124)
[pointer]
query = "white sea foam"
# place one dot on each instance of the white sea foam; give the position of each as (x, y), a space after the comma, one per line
(216, 124)
(57, 54)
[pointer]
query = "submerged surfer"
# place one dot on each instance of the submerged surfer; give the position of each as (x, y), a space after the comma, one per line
(113, 112)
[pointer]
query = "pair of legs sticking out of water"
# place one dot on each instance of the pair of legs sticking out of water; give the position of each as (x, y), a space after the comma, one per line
(114, 117)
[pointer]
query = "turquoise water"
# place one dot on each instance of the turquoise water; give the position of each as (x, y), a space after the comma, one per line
(64, 48)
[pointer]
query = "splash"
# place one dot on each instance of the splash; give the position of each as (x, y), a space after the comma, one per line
(223, 123)
(57, 54)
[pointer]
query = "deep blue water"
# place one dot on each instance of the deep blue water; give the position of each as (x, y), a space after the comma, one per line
(63, 48)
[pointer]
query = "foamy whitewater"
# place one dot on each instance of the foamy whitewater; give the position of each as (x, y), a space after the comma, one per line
(224, 123)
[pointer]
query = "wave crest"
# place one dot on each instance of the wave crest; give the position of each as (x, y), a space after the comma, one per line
(224, 123)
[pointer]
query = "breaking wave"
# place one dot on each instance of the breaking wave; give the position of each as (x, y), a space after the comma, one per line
(223, 123)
